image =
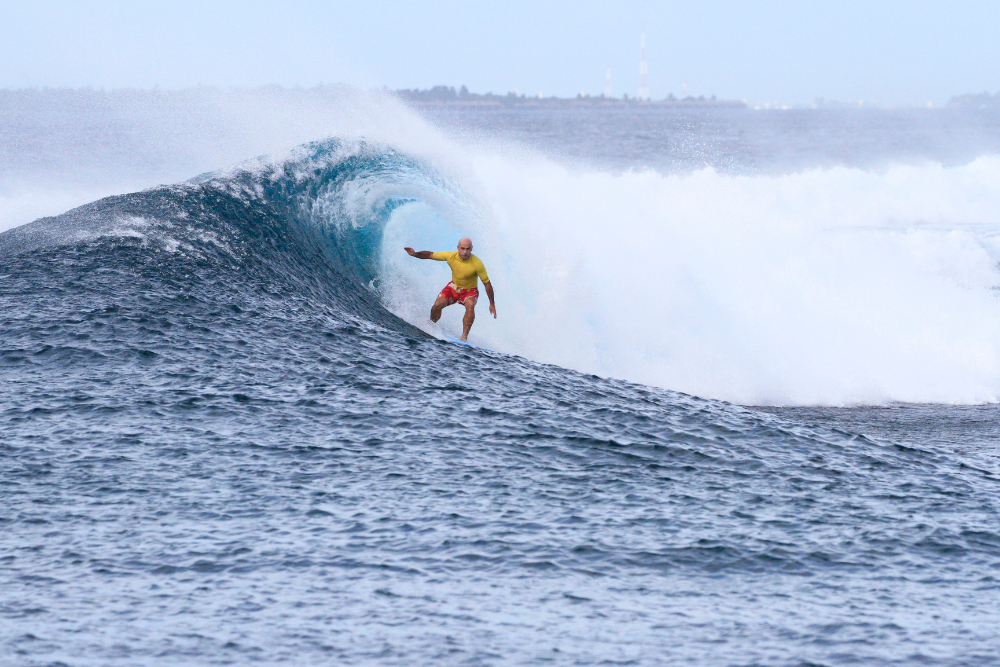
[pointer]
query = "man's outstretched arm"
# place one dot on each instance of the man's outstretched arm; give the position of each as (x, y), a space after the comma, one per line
(423, 254)
(489, 293)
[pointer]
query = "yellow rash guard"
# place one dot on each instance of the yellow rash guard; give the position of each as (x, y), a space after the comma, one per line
(463, 273)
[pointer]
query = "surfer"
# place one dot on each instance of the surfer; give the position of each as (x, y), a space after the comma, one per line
(466, 270)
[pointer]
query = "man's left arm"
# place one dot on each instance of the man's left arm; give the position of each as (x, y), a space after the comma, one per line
(489, 292)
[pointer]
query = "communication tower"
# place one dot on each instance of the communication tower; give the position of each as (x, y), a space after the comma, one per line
(643, 81)
(607, 83)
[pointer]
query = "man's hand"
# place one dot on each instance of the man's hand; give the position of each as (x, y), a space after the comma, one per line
(489, 293)
(410, 251)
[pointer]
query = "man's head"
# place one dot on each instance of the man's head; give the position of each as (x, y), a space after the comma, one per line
(465, 248)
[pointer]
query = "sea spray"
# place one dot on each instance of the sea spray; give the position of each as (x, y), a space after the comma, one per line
(833, 286)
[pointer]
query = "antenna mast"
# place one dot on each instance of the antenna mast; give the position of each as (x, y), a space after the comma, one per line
(643, 80)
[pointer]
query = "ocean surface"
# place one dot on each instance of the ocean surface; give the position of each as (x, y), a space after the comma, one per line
(738, 407)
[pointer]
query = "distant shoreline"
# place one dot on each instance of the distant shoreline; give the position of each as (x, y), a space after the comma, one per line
(448, 96)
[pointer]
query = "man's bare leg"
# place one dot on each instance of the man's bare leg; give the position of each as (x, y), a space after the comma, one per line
(438, 306)
(470, 317)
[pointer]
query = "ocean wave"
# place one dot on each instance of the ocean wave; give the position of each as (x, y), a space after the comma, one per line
(833, 286)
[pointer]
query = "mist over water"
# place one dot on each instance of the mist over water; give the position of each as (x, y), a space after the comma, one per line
(809, 258)
(64, 148)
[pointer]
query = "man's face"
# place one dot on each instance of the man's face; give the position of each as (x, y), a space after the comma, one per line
(465, 249)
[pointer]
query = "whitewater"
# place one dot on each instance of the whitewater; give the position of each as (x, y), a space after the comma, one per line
(738, 406)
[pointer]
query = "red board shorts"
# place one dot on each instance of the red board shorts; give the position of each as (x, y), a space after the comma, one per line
(453, 294)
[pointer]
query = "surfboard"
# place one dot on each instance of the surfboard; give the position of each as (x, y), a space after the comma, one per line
(460, 342)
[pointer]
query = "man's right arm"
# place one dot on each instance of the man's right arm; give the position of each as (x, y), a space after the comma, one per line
(423, 254)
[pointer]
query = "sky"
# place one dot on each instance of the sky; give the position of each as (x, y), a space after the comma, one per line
(888, 52)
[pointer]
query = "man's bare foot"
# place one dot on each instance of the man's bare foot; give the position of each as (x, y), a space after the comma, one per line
(464, 339)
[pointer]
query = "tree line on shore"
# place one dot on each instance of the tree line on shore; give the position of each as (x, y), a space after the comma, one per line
(449, 95)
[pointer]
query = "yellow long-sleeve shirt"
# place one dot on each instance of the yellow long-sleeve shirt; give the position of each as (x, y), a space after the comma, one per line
(464, 273)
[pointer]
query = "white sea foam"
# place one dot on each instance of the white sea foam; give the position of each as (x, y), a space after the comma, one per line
(835, 286)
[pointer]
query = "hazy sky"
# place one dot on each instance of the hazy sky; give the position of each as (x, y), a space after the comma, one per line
(789, 51)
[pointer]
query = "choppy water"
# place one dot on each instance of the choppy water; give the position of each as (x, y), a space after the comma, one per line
(735, 141)
(224, 438)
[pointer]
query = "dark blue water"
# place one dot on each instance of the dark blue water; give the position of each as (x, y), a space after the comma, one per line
(217, 446)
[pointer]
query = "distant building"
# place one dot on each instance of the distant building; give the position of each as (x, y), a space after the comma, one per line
(643, 79)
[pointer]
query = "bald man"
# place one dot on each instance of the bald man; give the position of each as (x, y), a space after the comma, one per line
(466, 270)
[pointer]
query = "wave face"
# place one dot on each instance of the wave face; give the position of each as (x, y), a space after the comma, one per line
(229, 434)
